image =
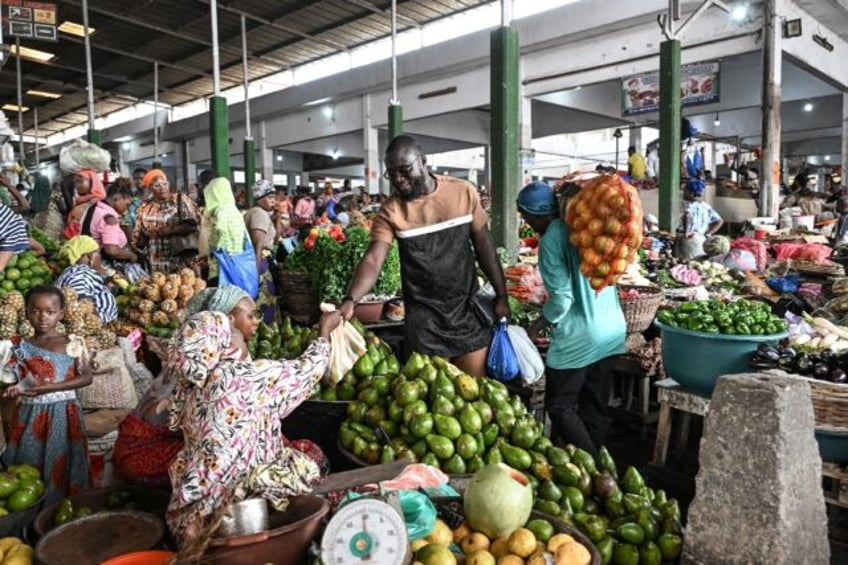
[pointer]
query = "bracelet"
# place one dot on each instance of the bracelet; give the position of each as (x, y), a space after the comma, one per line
(348, 298)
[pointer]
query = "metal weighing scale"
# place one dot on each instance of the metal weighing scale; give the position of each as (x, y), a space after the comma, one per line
(367, 530)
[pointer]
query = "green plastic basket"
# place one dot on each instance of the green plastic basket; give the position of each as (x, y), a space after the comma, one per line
(696, 360)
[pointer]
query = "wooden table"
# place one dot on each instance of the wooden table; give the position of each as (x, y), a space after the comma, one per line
(672, 396)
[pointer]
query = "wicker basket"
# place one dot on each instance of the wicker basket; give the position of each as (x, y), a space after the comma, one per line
(830, 404)
(299, 298)
(639, 311)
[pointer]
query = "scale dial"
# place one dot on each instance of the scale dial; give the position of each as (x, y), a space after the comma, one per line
(365, 531)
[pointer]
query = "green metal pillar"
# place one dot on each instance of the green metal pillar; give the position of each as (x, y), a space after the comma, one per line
(249, 168)
(669, 152)
(395, 120)
(505, 124)
(93, 136)
(219, 135)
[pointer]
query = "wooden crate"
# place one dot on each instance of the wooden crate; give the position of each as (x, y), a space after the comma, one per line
(835, 484)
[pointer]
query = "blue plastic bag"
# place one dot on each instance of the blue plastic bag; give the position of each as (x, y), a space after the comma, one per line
(502, 362)
(784, 285)
(239, 269)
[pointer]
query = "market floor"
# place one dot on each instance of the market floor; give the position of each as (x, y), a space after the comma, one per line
(632, 444)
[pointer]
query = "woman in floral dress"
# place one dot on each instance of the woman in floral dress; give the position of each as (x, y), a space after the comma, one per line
(229, 410)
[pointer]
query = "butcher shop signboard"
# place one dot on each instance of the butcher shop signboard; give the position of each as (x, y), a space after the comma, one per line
(698, 85)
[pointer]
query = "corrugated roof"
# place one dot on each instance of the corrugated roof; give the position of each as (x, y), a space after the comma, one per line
(131, 34)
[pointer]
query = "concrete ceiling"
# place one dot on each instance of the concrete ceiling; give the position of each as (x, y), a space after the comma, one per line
(833, 12)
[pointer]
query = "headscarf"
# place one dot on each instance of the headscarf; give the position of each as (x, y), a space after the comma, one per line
(263, 188)
(39, 198)
(218, 194)
(229, 231)
(696, 186)
(97, 193)
(152, 176)
(222, 299)
(75, 248)
(199, 346)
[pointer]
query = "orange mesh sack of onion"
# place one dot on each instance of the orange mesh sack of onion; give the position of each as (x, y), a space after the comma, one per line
(605, 225)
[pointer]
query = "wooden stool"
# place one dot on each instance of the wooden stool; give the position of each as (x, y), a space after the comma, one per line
(672, 396)
(635, 388)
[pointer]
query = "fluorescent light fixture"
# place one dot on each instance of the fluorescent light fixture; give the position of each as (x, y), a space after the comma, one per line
(827, 157)
(739, 12)
(279, 157)
(716, 121)
(32, 54)
(330, 112)
(822, 41)
(44, 94)
(74, 28)
(335, 154)
(319, 101)
(125, 146)
(14, 108)
(808, 107)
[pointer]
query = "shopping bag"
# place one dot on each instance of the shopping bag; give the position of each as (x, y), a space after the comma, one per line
(530, 363)
(502, 363)
(239, 269)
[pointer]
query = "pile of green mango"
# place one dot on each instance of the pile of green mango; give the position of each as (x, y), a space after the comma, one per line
(434, 413)
(280, 341)
(369, 380)
(630, 523)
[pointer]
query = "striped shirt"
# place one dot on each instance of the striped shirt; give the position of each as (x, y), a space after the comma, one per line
(89, 284)
(13, 230)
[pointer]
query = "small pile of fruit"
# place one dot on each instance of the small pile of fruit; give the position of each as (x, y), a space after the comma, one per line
(117, 500)
(605, 225)
(23, 272)
(158, 303)
(283, 341)
(370, 379)
(740, 317)
(13, 551)
(20, 487)
(824, 365)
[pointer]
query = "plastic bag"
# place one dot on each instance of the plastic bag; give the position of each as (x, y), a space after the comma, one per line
(758, 248)
(81, 155)
(530, 363)
(815, 252)
(346, 347)
(740, 260)
(789, 283)
(502, 362)
(239, 269)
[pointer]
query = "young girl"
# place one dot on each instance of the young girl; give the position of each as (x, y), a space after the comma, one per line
(47, 425)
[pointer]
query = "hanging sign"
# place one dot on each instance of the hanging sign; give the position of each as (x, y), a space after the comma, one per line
(699, 84)
(30, 20)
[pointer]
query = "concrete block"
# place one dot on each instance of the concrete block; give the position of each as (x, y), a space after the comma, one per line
(758, 493)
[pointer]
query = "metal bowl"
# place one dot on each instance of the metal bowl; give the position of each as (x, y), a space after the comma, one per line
(244, 518)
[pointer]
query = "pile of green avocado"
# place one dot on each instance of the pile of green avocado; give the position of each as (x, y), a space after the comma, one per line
(20, 487)
(117, 500)
(280, 341)
(431, 412)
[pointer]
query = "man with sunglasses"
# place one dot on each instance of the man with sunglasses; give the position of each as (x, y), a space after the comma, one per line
(441, 229)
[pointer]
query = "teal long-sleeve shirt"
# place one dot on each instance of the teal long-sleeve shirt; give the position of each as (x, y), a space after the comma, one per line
(586, 327)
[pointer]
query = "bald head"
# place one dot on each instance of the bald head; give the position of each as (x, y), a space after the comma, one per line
(406, 168)
(405, 144)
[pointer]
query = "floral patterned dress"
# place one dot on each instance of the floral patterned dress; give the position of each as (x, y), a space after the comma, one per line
(48, 430)
(230, 418)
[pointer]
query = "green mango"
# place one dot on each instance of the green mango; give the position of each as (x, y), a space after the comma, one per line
(625, 554)
(406, 393)
(440, 446)
(329, 395)
(395, 412)
(547, 506)
(374, 354)
(474, 464)
(442, 386)
(548, 490)
(359, 446)
(648, 524)
(394, 364)
(650, 554)
(428, 374)
(346, 437)
(585, 461)
(632, 481)
(369, 396)
(605, 548)
(671, 510)
(606, 462)
(494, 455)
(454, 465)
(631, 532)
(575, 498)
(470, 420)
(388, 454)
(490, 434)
(614, 508)
(263, 330)
(447, 426)
(542, 445)
(381, 368)
(518, 406)
(467, 387)
(442, 405)
(466, 446)
(516, 457)
(493, 392)
(540, 470)
(356, 411)
(505, 418)
(557, 456)
(670, 546)
(413, 365)
(364, 432)
(420, 448)
(585, 483)
(481, 444)
(431, 460)
(567, 475)
(633, 503)
(421, 425)
(485, 411)
(405, 434)
(412, 410)
(381, 384)
(593, 526)
(524, 433)
(458, 403)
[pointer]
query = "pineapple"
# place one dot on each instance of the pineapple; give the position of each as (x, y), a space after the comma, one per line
(170, 290)
(199, 284)
(70, 295)
(145, 318)
(15, 300)
(61, 329)
(106, 339)
(87, 307)
(91, 324)
(174, 280)
(168, 306)
(77, 328)
(8, 314)
(153, 293)
(25, 330)
(186, 292)
(133, 314)
(73, 313)
(187, 276)
(147, 306)
(91, 342)
(159, 279)
(160, 319)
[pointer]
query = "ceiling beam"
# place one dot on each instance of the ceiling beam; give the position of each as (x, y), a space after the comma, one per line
(385, 12)
(282, 27)
(177, 34)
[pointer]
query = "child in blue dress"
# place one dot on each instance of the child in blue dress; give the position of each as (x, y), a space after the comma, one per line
(47, 426)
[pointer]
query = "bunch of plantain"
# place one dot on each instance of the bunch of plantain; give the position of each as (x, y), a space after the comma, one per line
(15, 552)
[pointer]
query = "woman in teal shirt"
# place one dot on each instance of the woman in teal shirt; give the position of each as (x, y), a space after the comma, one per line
(588, 328)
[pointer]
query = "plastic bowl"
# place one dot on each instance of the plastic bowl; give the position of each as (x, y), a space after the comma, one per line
(696, 360)
(833, 445)
(142, 558)
(15, 523)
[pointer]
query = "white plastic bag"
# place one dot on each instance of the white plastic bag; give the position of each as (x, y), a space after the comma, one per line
(81, 155)
(529, 360)
(347, 345)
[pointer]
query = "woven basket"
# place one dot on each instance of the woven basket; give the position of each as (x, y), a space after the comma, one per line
(299, 297)
(830, 404)
(639, 311)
